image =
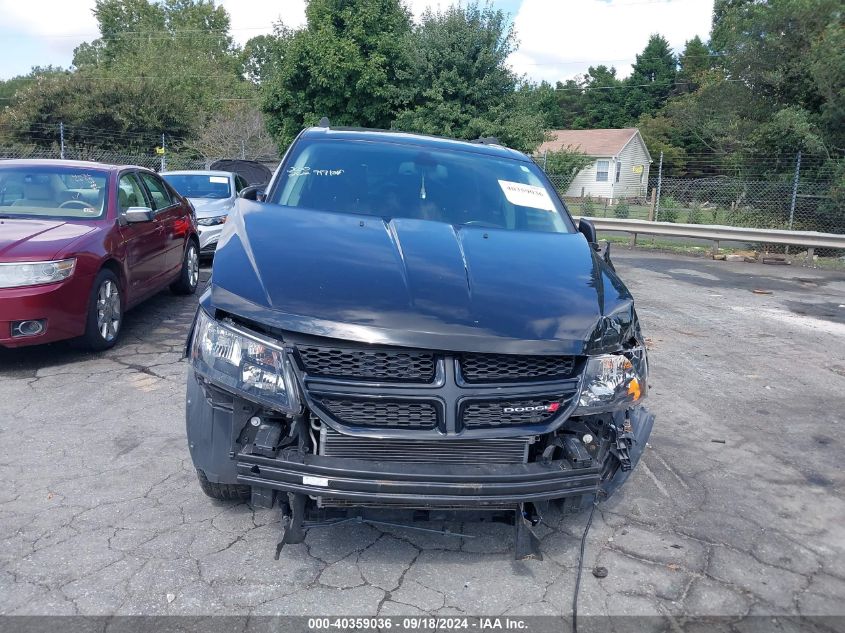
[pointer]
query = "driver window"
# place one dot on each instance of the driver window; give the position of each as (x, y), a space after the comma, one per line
(129, 193)
(158, 192)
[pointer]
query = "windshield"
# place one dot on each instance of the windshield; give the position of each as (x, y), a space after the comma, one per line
(402, 181)
(200, 185)
(53, 191)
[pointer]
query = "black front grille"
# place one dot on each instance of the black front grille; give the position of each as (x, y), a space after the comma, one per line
(382, 414)
(364, 364)
(480, 368)
(498, 413)
(512, 450)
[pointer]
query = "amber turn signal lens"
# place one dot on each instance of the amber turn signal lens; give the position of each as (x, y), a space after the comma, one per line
(634, 389)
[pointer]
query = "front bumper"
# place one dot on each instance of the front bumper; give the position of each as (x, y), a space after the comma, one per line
(218, 447)
(63, 305)
(418, 485)
(209, 236)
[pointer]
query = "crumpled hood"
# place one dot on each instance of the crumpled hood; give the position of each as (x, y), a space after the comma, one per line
(212, 207)
(418, 283)
(25, 239)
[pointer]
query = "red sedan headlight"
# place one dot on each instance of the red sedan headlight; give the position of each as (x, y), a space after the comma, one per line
(15, 275)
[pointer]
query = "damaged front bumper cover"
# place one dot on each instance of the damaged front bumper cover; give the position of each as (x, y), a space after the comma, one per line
(427, 485)
(448, 485)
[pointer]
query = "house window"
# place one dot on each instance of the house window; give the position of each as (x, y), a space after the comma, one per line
(601, 170)
(618, 170)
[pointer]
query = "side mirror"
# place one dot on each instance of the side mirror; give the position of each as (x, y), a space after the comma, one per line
(138, 214)
(586, 228)
(253, 192)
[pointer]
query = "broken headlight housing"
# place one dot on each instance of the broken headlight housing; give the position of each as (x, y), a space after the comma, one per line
(245, 362)
(613, 381)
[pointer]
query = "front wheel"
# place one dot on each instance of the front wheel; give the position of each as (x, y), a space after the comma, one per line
(105, 313)
(223, 492)
(190, 274)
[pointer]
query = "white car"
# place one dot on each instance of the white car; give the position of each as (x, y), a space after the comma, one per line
(213, 194)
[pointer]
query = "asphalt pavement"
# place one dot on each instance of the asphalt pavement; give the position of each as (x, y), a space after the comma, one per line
(736, 508)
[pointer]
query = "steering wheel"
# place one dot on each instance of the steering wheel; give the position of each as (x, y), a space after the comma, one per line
(76, 204)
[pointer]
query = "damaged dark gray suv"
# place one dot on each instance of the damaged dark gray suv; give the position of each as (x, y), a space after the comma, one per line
(413, 326)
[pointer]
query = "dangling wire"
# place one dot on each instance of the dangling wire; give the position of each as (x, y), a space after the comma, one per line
(580, 566)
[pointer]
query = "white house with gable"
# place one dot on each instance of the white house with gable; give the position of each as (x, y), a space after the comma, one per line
(621, 167)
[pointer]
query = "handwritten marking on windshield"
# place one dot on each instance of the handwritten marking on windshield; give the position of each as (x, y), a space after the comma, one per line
(295, 172)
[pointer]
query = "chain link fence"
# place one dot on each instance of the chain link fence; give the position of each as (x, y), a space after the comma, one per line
(150, 161)
(807, 205)
(722, 200)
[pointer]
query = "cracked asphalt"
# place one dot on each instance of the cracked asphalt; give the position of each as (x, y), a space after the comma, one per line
(737, 507)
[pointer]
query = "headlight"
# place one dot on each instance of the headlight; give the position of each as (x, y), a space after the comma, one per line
(220, 219)
(244, 362)
(35, 273)
(613, 381)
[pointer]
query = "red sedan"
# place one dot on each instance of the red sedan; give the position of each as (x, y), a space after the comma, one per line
(80, 243)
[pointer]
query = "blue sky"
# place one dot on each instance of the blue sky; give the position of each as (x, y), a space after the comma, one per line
(559, 38)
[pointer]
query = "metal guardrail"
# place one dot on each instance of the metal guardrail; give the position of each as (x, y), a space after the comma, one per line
(717, 233)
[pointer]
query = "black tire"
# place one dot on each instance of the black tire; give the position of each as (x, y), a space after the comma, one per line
(109, 312)
(223, 492)
(189, 276)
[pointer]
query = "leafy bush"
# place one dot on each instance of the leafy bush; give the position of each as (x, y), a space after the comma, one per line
(565, 165)
(668, 211)
(696, 214)
(621, 210)
(588, 207)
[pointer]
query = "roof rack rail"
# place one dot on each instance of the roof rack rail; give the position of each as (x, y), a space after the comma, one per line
(324, 122)
(487, 140)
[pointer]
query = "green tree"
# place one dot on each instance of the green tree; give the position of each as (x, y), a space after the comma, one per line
(262, 55)
(692, 63)
(652, 79)
(10, 88)
(603, 100)
(349, 63)
(541, 99)
(565, 165)
(661, 134)
(461, 83)
(769, 45)
(570, 101)
(157, 68)
(827, 67)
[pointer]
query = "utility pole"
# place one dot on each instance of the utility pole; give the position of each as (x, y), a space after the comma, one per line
(163, 159)
(659, 185)
(62, 139)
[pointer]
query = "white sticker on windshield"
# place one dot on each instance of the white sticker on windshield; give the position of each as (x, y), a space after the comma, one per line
(527, 195)
(220, 179)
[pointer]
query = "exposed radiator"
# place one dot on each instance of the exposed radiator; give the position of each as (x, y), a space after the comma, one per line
(510, 450)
